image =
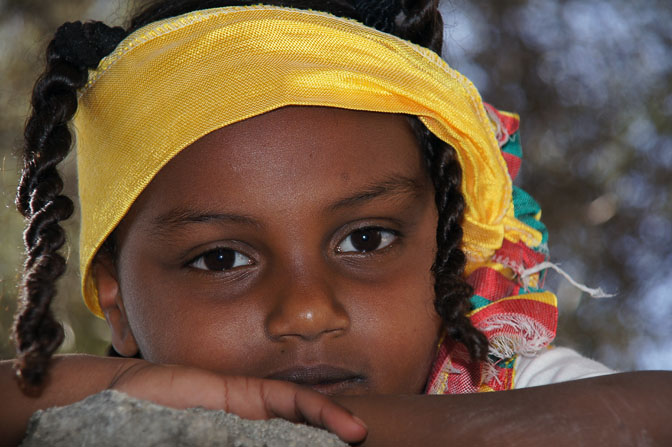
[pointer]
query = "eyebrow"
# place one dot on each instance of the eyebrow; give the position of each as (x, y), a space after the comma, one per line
(390, 186)
(180, 217)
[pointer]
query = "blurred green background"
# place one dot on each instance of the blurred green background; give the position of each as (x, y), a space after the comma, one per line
(592, 81)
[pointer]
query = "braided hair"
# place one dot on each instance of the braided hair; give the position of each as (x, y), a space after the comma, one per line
(47, 140)
(78, 47)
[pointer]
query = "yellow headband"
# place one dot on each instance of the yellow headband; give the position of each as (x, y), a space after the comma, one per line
(174, 81)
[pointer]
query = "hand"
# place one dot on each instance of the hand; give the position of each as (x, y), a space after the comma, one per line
(250, 398)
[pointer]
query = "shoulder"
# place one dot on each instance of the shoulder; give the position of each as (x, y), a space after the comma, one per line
(555, 365)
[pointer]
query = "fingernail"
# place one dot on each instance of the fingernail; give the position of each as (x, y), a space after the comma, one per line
(359, 421)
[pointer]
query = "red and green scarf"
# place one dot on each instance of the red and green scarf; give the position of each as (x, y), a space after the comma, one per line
(508, 306)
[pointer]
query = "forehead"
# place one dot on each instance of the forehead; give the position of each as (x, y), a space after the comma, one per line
(288, 156)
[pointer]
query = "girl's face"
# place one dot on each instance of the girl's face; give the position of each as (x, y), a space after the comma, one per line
(295, 245)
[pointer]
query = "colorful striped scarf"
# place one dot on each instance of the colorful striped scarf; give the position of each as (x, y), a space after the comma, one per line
(508, 306)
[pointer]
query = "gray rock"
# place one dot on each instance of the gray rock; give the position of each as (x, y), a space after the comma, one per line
(113, 419)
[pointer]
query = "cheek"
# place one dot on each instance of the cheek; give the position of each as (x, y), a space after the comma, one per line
(400, 328)
(172, 324)
(418, 324)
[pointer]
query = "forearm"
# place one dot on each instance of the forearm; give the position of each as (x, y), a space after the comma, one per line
(624, 409)
(71, 378)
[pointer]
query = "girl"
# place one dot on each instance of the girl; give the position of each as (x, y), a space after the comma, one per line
(278, 199)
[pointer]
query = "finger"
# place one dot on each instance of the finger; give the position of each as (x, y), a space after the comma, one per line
(300, 404)
(321, 411)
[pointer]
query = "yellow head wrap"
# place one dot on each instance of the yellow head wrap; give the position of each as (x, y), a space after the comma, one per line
(174, 81)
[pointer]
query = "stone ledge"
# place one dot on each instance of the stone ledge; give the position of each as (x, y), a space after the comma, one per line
(113, 419)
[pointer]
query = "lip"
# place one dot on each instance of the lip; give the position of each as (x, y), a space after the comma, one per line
(325, 379)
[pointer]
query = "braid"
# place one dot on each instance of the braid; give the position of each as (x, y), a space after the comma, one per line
(451, 290)
(76, 48)
(377, 14)
(421, 23)
(417, 21)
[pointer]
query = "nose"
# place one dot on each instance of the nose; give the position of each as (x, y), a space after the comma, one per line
(305, 308)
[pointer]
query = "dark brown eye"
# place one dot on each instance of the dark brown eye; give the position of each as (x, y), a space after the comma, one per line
(220, 259)
(366, 240)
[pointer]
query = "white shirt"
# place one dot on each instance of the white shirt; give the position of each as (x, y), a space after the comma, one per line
(555, 365)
